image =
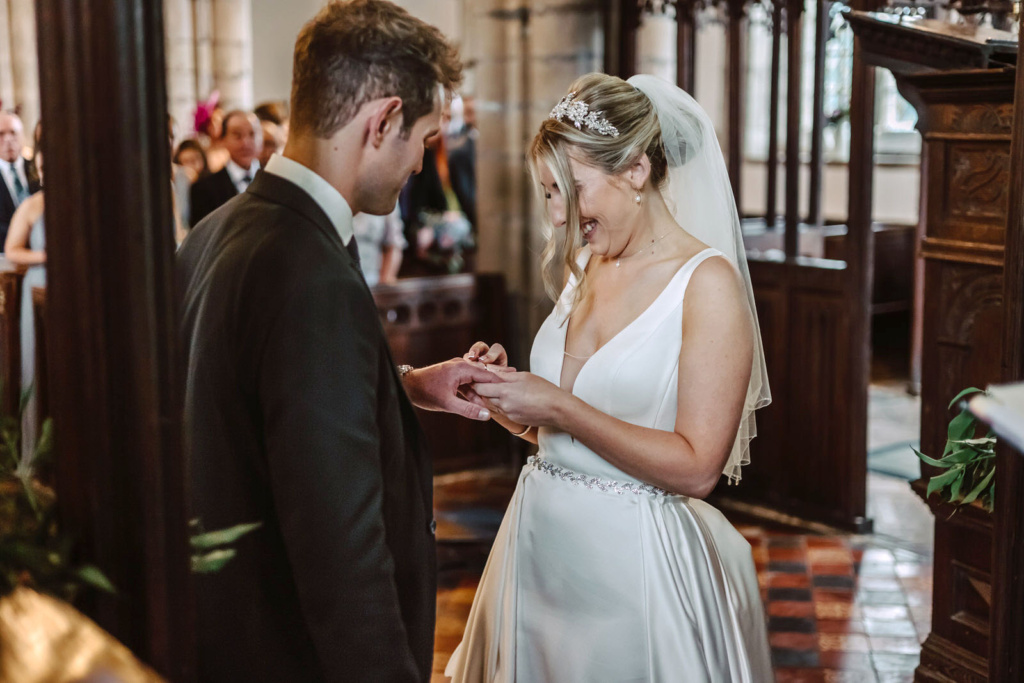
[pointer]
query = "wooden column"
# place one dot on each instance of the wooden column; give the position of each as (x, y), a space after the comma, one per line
(794, 71)
(686, 45)
(115, 375)
(736, 36)
(861, 248)
(771, 212)
(814, 216)
(1006, 657)
(626, 48)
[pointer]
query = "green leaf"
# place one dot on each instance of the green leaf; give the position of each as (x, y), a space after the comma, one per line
(44, 446)
(982, 441)
(212, 539)
(962, 427)
(92, 576)
(962, 456)
(965, 392)
(976, 491)
(211, 562)
(938, 481)
(931, 461)
(954, 489)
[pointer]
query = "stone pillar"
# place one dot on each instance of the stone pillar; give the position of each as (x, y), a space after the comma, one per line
(656, 44)
(6, 63)
(202, 31)
(525, 59)
(179, 51)
(232, 52)
(24, 61)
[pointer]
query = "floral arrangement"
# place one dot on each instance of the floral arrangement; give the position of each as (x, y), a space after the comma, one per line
(969, 461)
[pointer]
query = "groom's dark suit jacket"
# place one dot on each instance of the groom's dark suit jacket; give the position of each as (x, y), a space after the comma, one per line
(296, 418)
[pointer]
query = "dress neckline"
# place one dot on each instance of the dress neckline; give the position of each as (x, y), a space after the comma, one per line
(643, 314)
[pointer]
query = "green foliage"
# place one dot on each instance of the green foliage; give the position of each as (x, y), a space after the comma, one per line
(969, 461)
(208, 552)
(33, 550)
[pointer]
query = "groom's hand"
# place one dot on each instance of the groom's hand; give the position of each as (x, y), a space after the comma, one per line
(442, 387)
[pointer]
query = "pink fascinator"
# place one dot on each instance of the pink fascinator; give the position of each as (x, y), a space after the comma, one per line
(204, 111)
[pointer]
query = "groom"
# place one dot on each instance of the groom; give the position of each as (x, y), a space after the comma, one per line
(296, 416)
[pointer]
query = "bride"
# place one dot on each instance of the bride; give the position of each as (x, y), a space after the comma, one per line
(608, 566)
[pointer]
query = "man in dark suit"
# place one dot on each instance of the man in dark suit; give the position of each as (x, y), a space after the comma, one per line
(18, 177)
(295, 414)
(462, 161)
(243, 139)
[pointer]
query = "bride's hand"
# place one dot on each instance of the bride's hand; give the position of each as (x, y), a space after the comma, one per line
(524, 398)
(488, 355)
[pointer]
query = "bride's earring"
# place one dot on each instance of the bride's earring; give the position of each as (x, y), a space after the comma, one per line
(638, 196)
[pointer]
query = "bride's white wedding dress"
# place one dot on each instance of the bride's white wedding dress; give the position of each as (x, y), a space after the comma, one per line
(595, 576)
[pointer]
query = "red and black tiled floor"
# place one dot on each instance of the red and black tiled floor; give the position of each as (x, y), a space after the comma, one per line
(839, 608)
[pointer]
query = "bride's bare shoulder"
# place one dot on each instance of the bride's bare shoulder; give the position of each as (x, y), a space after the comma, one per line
(716, 289)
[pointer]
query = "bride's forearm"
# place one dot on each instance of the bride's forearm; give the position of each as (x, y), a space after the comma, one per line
(664, 459)
(515, 428)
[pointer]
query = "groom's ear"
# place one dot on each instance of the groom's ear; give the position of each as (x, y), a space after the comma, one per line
(386, 118)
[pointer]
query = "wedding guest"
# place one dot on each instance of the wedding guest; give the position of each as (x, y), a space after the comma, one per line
(381, 243)
(192, 158)
(435, 223)
(276, 112)
(461, 145)
(18, 173)
(181, 183)
(273, 141)
(209, 120)
(240, 140)
(25, 245)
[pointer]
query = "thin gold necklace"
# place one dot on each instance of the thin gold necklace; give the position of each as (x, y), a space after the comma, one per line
(618, 261)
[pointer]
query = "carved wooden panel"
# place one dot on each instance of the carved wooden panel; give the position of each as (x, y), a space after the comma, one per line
(962, 341)
(803, 456)
(768, 449)
(979, 175)
(819, 387)
(976, 119)
(962, 596)
(965, 119)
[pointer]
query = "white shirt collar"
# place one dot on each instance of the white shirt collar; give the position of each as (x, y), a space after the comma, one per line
(236, 172)
(322, 192)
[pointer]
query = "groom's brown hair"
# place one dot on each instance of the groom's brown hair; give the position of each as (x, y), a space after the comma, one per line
(355, 51)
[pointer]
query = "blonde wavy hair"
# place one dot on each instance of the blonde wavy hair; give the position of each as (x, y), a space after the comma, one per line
(632, 113)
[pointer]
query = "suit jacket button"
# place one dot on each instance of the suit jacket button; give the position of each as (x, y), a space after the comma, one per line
(433, 527)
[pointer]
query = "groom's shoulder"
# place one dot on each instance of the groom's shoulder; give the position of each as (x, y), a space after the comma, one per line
(261, 244)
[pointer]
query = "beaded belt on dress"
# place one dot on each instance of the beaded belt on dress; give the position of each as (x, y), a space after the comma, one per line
(606, 485)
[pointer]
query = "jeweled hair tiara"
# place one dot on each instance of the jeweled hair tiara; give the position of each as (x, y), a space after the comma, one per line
(578, 112)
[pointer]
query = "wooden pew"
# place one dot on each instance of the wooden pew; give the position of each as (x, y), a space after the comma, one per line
(893, 289)
(432, 319)
(11, 277)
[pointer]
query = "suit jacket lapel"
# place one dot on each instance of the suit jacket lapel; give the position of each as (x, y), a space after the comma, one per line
(228, 186)
(6, 199)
